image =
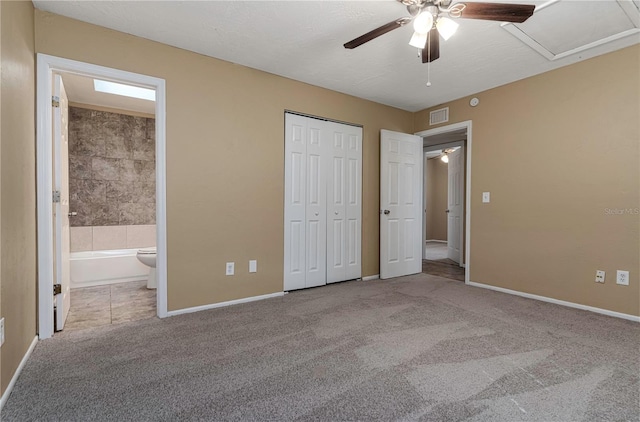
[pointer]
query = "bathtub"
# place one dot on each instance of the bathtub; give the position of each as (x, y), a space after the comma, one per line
(96, 268)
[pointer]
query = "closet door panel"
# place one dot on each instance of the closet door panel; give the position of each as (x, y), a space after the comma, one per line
(345, 193)
(316, 206)
(353, 204)
(295, 200)
(336, 206)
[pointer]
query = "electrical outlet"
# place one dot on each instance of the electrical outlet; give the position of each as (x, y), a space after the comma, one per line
(230, 268)
(622, 277)
(1, 331)
(599, 276)
(253, 266)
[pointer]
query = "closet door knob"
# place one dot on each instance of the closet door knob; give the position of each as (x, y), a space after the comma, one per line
(336, 212)
(387, 212)
(316, 213)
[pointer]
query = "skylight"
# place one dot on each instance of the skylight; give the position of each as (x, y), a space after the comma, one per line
(124, 90)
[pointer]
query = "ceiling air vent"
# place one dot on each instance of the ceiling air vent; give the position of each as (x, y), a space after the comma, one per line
(439, 116)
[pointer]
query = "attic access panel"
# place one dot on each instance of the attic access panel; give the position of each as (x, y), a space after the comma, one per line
(560, 28)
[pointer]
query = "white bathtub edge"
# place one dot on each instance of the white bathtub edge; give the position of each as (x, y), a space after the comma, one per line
(106, 253)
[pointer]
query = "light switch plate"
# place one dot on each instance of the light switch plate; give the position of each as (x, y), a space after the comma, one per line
(253, 266)
(486, 197)
(1, 331)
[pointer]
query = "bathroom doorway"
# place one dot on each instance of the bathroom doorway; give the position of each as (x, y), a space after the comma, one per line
(108, 205)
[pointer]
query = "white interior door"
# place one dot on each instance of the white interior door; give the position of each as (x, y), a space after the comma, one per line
(454, 205)
(401, 204)
(344, 208)
(61, 208)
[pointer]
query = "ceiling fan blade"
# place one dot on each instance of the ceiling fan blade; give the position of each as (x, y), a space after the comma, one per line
(493, 11)
(431, 51)
(377, 32)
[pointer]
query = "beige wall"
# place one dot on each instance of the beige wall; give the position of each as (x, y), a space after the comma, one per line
(437, 195)
(225, 157)
(557, 151)
(17, 185)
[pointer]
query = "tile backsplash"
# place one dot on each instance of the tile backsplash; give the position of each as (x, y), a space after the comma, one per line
(100, 238)
(111, 169)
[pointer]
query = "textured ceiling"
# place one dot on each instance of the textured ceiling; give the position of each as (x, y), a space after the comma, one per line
(303, 40)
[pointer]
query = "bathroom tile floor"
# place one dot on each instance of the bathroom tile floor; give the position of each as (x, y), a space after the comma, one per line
(103, 305)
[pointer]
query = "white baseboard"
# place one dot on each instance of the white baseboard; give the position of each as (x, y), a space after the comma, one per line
(23, 362)
(557, 301)
(223, 304)
(434, 240)
(371, 277)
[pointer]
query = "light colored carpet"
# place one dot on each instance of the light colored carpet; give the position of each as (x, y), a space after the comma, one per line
(418, 348)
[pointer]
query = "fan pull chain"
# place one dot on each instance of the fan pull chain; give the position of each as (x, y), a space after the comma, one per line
(429, 62)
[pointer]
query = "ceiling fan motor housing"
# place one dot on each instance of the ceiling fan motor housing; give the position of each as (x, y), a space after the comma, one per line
(422, 3)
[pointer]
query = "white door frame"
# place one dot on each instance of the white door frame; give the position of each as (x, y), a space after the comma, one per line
(446, 129)
(46, 65)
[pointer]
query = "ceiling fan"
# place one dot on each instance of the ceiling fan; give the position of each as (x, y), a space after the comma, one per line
(430, 20)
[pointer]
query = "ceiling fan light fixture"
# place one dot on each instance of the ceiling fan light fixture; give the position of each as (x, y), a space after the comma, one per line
(418, 40)
(446, 27)
(423, 23)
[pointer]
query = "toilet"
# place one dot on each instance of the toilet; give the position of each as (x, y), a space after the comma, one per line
(148, 257)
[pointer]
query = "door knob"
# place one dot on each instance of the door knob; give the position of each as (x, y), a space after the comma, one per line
(73, 214)
(336, 212)
(387, 212)
(447, 211)
(316, 214)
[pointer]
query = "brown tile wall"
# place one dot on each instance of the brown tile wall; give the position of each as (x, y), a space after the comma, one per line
(111, 168)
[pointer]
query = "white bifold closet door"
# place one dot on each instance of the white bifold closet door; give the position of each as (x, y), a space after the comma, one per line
(344, 209)
(323, 190)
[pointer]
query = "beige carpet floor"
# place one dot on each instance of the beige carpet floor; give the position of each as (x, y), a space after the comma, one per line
(417, 348)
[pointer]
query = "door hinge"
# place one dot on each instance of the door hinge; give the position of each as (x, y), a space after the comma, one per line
(56, 196)
(55, 101)
(57, 289)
